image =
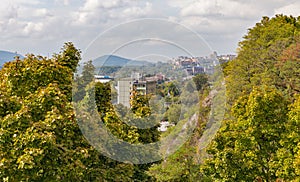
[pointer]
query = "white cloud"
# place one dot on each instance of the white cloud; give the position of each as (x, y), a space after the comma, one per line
(228, 20)
(20, 18)
(137, 11)
(25, 2)
(32, 27)
(96, 11)
(64, 2)
(8, 11)
(201, 8)
(91, 5)
(30, 13)
(180, 3)
(218, 28)
(41, 12)
(225, 8)
(291, 9)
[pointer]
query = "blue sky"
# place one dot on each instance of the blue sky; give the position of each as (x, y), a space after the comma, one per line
(41, 27)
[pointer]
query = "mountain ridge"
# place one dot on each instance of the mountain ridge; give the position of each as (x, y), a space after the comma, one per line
(6, 56)
(114, 60)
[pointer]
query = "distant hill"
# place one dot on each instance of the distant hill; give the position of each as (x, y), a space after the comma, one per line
(112, 60)
(6, 56)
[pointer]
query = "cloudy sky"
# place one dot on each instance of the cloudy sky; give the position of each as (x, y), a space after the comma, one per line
(133, 28)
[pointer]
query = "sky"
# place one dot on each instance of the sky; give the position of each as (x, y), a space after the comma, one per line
(133, 28)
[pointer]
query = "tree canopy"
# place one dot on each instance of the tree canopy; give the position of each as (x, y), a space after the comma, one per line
(39, 136)
(258, 139)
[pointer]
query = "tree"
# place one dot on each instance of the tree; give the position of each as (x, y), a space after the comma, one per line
(288, 68)
(289, 153)
(119, 128)
(245, 148)
(81, 82)
(39, 136)
(139, 104)
(171, 89)
(69, 56)
(109, 116)
(180, 166)
(173, 113)
(257, 55)
(257, 140)
(200, 80)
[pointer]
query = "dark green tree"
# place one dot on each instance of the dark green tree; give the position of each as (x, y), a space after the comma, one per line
(200, 80)
(69, 56)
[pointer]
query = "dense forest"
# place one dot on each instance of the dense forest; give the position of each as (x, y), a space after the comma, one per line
(259, 138)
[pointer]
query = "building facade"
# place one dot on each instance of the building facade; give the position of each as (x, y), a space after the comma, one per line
(127, 85)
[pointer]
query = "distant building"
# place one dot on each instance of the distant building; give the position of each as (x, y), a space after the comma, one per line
(145, 87)
(103, 79)
(209, 70)
(189, 71)
(194, 70)
(198, 70)
(197, 65)
(227, 57)
(124, 91)
(160, 77)
(142, 86)
(136, 76)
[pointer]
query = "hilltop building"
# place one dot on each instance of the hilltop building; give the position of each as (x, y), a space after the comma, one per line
(227, 57)
(196, 65)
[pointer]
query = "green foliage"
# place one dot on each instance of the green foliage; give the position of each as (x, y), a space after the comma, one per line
(259, 138)
(139, 105)
(103, 97)
(109, 70)
(69, 56)
(180, 166)
(81, 82)
(171, 89)
(39, 136)
(288, 154)
(258, 53)
(183, 164)
(201, 80)
(173, 113)
(88, 73)
(111, 117)
(245, 148)
(288, 69)
(26, 76)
